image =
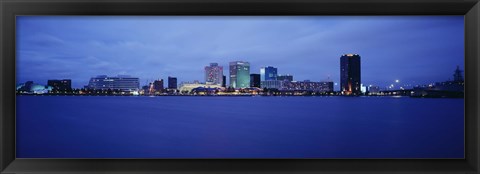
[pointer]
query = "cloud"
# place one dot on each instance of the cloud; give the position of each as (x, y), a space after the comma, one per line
(308, 47)
(43, 39)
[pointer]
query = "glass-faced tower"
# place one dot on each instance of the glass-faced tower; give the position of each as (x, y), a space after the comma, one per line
(239, 74)
(268, 73)
(350, 81)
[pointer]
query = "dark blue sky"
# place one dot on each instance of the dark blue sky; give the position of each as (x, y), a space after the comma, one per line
(412, 49)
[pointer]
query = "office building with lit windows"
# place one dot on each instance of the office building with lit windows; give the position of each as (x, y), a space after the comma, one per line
(350, 74)
(239, 74)
(323, 87)
(120, 82)
(268, 73)
(271, 84)
(214, 74)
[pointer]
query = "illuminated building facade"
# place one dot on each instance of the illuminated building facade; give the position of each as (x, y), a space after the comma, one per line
(307, 86)
(272, 84)
(350, 81)
(32, 88)
(239, 74)
(123, 83)
(363, 89)
(188, 87)
(268, 73)
(214, 74)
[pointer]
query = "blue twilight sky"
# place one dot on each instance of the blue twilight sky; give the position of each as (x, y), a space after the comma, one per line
(412, 49)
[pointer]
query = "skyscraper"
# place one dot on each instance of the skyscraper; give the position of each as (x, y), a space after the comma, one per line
(158, 85)
(255, 80)
(224, 83)
(239, 74)
(268, 73)
(214, 74)
(172, 82)
(350, 77)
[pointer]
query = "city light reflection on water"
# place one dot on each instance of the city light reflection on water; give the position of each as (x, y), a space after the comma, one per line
(239, 127)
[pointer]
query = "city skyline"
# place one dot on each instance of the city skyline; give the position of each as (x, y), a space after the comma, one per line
(416, 51)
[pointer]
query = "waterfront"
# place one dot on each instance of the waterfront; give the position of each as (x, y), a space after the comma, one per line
(238, 127)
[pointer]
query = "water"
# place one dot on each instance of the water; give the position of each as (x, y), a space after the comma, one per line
(239, 127)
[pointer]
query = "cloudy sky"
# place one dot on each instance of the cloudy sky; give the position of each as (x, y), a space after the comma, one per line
(412, 49)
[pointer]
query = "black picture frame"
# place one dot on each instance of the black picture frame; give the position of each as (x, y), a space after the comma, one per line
(11, 8)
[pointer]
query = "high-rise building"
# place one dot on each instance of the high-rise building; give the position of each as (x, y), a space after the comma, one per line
(255, 80)
(120, 82)
(286, 77)
(60, 85)
(268, 73)
(172, 82)
(158, 85)
(214, 74)
(224, 82)
(239, 74)
(350, 77)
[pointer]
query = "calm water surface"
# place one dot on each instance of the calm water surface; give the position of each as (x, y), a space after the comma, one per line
(239, 127)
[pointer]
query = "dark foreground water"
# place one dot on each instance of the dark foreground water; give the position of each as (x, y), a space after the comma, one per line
(239, 127)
